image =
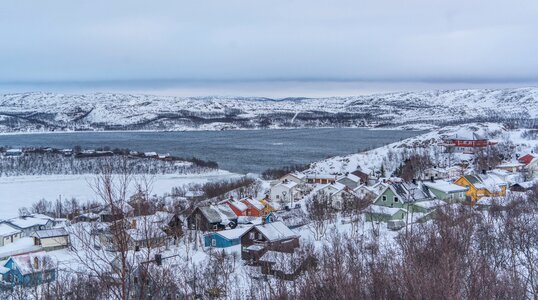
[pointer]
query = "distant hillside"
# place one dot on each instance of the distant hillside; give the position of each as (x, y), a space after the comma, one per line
(53, 112)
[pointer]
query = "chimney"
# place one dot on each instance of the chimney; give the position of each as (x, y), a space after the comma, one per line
(414, 181)
(158, 259)
(432, 179)
(484, 171)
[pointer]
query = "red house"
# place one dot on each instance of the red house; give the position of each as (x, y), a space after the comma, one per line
(254, 207)
(239, 208)
(467, 141)
(526, 159)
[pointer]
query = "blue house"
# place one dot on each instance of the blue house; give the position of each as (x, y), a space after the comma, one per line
(28, 269)
(225, 238)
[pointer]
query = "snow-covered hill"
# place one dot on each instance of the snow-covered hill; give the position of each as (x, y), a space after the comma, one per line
(392, 155)
(48, 111)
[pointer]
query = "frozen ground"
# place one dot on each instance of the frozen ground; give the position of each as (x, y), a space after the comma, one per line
(22, 191)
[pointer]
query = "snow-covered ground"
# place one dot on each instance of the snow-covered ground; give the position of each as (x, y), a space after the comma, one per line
(22, 191)
(128, 112)
(390, 155)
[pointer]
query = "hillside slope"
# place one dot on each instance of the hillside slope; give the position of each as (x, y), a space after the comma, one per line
(48, 111)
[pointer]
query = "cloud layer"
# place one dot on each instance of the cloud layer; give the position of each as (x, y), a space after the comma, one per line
(431, 40)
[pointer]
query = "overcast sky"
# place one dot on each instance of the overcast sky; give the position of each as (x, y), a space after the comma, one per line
(458, 42)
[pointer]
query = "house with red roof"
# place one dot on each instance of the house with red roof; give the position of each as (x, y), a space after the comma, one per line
(526, 159)
(254, 207)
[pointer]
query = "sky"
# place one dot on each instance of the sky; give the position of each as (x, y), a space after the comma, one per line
(279, 47)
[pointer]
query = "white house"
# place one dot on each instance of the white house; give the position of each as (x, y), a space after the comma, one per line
(28, 224)
(296, 177)
(8, 234)
(284, 192)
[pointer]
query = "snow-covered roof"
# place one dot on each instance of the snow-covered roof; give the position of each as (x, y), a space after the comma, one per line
(489, 182)
(288, 184)
(513, 164)
(297, 175)
(410, 191)
(257, 204)
(28, 221)
(351, 177)
(445, 186)
(22, 245)
(26, 262)
(429, 204)
(294, 217)
(238, 204)
(320, 176)
(275, 231)
(221, 213)
(232, 234)
(383, 210)
(487, 201)
(49, 233)
(6, 230)
(525, 184)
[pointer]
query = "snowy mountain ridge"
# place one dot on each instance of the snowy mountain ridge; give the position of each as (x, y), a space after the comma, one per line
(107, 111)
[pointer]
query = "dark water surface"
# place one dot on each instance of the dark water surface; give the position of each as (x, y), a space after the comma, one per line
(241, 151)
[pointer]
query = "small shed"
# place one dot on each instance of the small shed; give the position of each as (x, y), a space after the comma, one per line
(51, 239)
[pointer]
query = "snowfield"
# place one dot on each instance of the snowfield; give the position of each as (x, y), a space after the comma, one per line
(23, 191)
(41, 112)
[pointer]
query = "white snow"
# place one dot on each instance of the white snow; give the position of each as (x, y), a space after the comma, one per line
(23, 191)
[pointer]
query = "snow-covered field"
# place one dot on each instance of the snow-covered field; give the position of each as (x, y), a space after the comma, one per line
(22, 191)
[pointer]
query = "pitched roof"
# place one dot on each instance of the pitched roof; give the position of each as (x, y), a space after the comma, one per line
(49, 233)
(238, 204)
(25, 262)
(383, 210)
(410, 191)
(257, 204)
(275, 231)
(28, 221)
(489, 182)
(7, 230)
(233, 233)
(445, 186)
(218, 213)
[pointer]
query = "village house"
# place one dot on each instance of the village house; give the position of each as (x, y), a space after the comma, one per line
(524, 186)
(296, 177)
(238, 207)
(51, 239)
(213, 217)
(526, 159)
(337, 193)
(467, 141)
(482, 185)
(350, 181)
(365, 178)
(446, 191)
(442, 173)
(286, 266)
(284, 192)
(320, 178)
(270, 236)
(8, 234)
(291, 217)
(112, 213)
(254, 207)
(398, 199)
(511, 167)
(225, 238)
(28, 224)
(28, 269)
(363, 191)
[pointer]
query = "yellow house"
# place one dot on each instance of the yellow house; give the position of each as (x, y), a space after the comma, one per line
(482, 185)
(267, 208)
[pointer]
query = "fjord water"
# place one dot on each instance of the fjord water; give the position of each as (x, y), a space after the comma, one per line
(241, 151)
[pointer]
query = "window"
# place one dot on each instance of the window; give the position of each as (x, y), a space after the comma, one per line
(396, 199)
(251, 235)
(384, 198)
(214, 242)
